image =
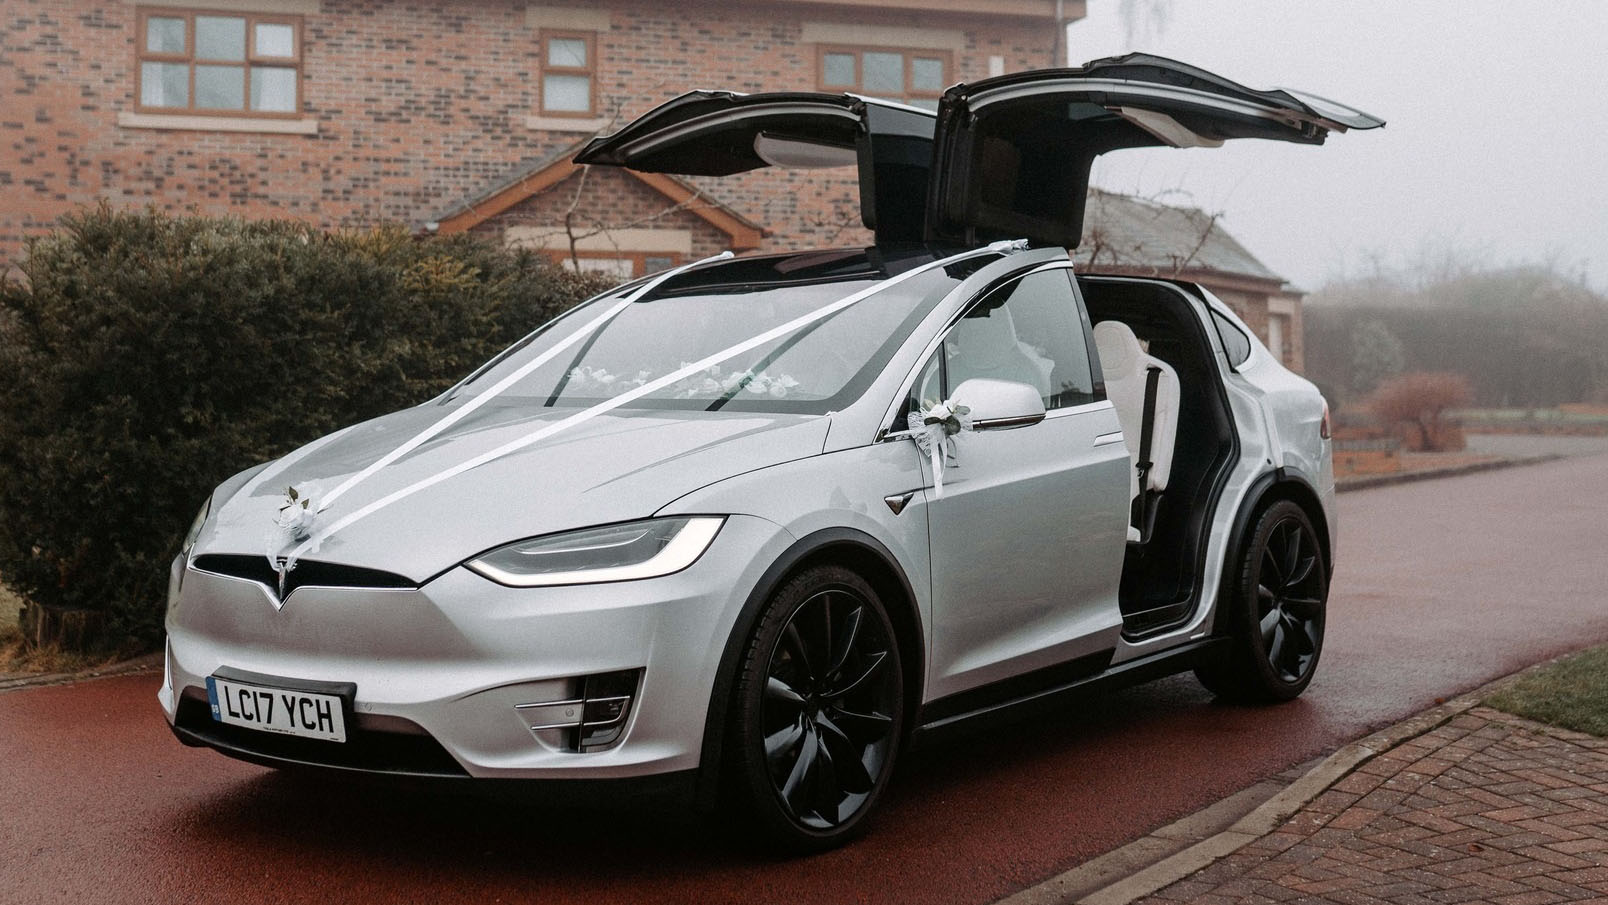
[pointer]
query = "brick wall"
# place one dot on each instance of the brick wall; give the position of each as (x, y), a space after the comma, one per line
(416, 106)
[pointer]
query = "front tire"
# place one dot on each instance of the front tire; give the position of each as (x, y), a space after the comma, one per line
(820, 710)
(1274, 611)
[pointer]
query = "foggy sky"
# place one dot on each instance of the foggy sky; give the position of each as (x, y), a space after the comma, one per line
(1497, 122)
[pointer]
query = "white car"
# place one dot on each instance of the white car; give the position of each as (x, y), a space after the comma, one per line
(753, 526)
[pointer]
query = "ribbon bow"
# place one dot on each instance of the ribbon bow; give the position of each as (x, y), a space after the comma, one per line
(934, 429)
(294, 524)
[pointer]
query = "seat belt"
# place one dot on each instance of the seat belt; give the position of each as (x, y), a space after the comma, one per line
(1147, 426)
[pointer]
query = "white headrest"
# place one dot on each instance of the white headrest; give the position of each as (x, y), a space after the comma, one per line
(1120, 352)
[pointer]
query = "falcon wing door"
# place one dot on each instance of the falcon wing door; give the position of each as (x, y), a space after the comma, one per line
(1013, 153)
(721, 133)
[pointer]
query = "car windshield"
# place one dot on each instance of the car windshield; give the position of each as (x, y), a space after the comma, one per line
(818, 368)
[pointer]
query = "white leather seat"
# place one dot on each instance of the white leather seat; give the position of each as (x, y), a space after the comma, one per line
(1126, 366)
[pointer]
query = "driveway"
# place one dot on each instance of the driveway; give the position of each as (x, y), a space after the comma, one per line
(1442, 585)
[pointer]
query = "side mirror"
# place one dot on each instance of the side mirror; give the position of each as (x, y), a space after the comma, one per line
(997, 404)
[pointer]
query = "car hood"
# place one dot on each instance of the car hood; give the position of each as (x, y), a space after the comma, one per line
(622, 465)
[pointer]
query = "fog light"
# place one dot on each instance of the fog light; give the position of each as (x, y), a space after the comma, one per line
(591, 720)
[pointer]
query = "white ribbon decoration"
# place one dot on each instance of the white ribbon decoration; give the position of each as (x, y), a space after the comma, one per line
(313, 542)
(937, 440)
(302, 514)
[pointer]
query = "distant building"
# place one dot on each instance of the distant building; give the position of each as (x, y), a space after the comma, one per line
(1127, 235)
(461, 114)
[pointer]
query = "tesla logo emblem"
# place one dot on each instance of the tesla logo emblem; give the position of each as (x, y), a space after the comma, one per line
(282, 568)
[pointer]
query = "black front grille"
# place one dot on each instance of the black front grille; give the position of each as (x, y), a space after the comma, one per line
(393, 753)
(322, 574)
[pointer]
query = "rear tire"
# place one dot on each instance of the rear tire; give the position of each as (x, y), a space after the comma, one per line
(1272, 612)
(819, 710)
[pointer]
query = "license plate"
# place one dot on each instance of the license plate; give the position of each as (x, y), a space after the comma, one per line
(281, 710)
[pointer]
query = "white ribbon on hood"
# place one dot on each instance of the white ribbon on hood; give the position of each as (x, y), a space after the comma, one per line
(316, 537)
(299, 514)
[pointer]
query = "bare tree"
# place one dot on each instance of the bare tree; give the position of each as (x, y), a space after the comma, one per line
(1113, 249)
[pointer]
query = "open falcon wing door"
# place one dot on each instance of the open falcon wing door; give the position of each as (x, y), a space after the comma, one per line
(719, 133)
(1013, 153)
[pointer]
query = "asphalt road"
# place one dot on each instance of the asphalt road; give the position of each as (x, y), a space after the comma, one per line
(1442, 585)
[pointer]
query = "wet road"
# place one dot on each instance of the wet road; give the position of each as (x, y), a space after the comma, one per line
(1442, 585)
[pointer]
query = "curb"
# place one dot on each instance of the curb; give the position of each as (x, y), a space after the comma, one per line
(126, 667)
(1173, 852)
(1406, 477)
(1139, 874)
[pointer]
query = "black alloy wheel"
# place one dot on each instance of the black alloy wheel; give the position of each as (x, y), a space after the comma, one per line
(1273, 612)
(821, 709)
(1289, 600)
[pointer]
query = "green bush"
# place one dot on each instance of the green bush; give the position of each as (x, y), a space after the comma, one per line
(144, 358)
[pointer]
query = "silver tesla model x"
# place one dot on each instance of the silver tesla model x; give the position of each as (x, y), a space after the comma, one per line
(745, 530)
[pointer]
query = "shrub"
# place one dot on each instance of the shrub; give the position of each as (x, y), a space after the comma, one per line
(1418, 401)
(146, 357)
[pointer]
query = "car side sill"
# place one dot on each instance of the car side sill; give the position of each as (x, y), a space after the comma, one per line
(1131, 672)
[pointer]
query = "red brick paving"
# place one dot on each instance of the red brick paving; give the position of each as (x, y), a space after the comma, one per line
(1486, 808)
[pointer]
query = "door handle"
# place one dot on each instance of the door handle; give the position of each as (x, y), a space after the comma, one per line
(1108, 439)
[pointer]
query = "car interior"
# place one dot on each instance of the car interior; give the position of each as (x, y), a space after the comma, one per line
(1140, 326)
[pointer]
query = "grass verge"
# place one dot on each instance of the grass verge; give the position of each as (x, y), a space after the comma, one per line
(10, 604)
(1571, 693)
(17, 659)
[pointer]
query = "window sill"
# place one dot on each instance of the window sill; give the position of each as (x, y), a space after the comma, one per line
(566, 123)
(304, 126)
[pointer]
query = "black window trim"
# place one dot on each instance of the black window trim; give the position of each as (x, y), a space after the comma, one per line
(1219, 321)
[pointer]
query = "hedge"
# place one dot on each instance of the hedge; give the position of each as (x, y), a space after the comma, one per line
(144, 358)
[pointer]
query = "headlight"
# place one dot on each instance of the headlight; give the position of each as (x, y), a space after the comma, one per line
(195, 528)
(645, 549)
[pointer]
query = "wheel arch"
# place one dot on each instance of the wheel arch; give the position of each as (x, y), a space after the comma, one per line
(1275, 485)
(844, 546)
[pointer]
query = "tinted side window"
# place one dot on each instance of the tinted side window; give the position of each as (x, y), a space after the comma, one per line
(1029, 331)
(1235, 344)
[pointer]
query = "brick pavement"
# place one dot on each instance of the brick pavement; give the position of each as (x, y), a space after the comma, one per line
(1485, 808)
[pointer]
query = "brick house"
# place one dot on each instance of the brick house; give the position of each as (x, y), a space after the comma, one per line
(463, 116)
(1127, 235)
(457, 115)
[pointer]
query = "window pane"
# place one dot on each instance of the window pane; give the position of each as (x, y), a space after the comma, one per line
(928, 103)
(926, 74)
(837, 70)
(1235, 345)
(220, 87)
(164, 34)
(883, 73)
(275, 40)
(1029, 332)
(656, 263)
(219, 38)
(619, 268)
(569, 52)
(273, 89)
(926, 392)
(567, 93)
(164, 85)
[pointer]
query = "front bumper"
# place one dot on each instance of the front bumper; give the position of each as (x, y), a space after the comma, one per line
(443, 667)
